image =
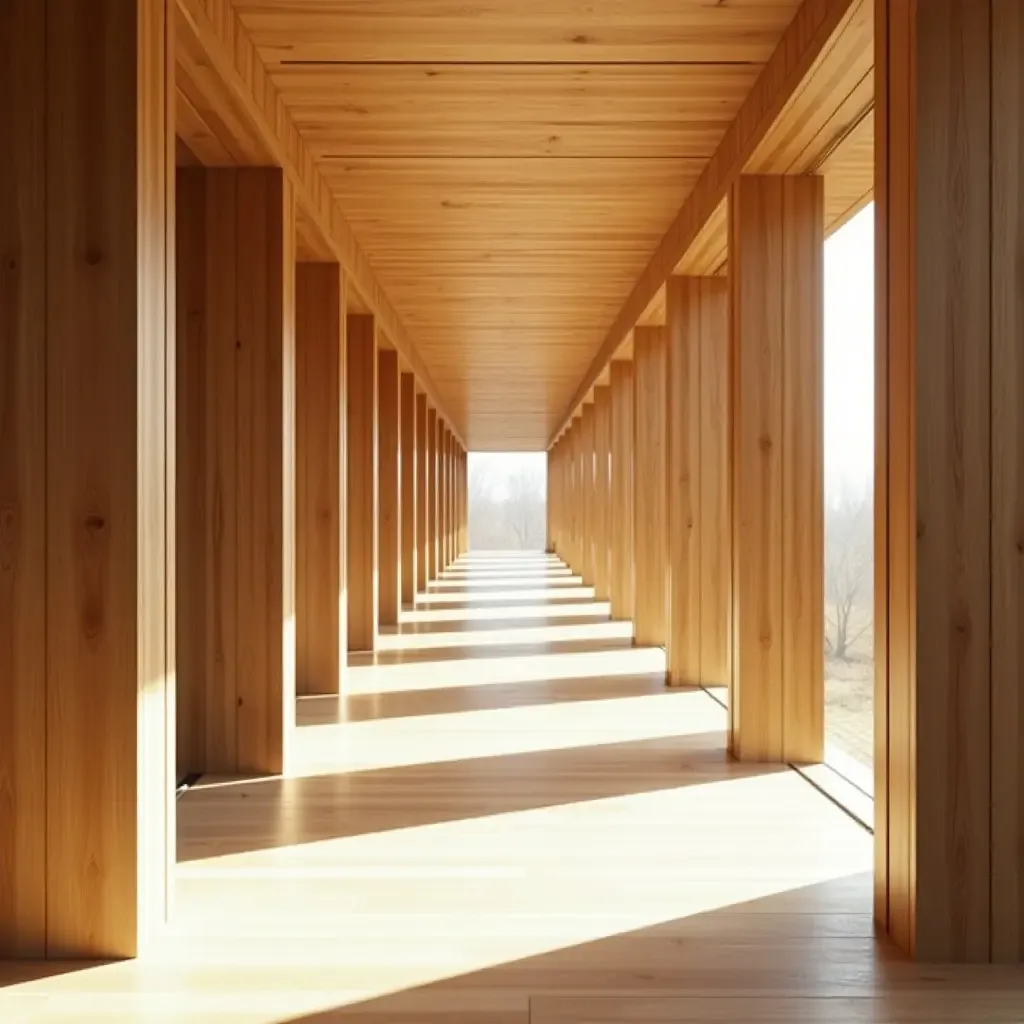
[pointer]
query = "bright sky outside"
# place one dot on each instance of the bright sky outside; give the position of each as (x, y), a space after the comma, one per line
(849, 371)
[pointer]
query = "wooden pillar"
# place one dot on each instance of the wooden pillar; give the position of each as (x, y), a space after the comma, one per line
(949, 596)
(422, 495)
(649, 502)
(407, 416)
(699, 638)
(776, 255)
(86, 476)
(438, 552)
(444, 496)
(236, 470)
(320, 611)
(389, 542)
(622, 546)
(431, 559)
(363, 495)
(464, 520)
(587, 512)
(602, 492)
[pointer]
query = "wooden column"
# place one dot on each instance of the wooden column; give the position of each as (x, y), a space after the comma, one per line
(649, 499)
(422, 495)
(236, 470)
(602, 492)
(776, 253)
(320, 611)
(438, 552)
(408, 496)
(587, 511)
(363, 499)
(389, 586)
(949, 758)
(622, 546)
(431, 559)
(444, 494)
(697, 324)
(464, 522)
(86, 476)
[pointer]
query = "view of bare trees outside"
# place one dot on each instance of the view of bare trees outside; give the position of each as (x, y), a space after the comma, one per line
(849, 499)
(507, 501)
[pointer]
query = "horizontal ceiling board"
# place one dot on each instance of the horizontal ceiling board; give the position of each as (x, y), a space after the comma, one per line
(510, 165)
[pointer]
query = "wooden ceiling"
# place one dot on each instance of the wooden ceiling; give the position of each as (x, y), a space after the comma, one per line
(509, 165)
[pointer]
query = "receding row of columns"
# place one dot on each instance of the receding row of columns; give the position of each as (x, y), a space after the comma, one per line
(688, 490)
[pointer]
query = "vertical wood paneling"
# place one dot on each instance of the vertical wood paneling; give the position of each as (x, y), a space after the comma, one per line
(602, 492)
(361, 344)
(431, 559)
(776, 325)
(649, 470)
(622, 491)
(109, 209)
(23, 744)
(389, 589)
(319, 430)
(1007, 885)
(422, 494)
(683, 339)
(407, 500)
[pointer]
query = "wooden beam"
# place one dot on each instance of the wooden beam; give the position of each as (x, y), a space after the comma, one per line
(602, 492)
(361, 340)
(320, 433)
(807, 35)
(622, 591)
(213, 29)
(389, 589)
(409, 485)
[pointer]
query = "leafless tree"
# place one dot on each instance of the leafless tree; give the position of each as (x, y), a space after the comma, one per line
(507, 511)
(849, 566)
(524, 510)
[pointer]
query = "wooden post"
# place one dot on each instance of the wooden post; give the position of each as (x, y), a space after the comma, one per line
(389, 586)
(649, 470)
(320, 611)
(622, 553)
(587, 512)
(697, 323)
(422, 495)
(431, 559)
(602, 492)
(776, 254)
(444, 453)
(437, 555)
(409, 485)
(362, 482)
(950, 446)
(86, 476)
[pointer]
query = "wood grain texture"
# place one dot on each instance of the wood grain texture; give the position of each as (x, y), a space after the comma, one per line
(422, 495)
(1007, 883)
(602, 492)
(444, 497)
(320, 486)
(622, 531)
(808, 34)
(23, 390)
(109, 208)
(776, 327)
(361, 342)
(432, 484)
(407, 415)
(587, 510)
(389, 510)
(650, 465)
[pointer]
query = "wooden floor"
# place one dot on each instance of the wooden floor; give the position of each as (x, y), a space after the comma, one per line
(510, 820)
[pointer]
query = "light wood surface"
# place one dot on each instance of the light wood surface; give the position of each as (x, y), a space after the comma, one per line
(650, 466)
(389, 560)
(361, 342)
(431, 559)
(602, 492)
(320, 612)
(588, 555)
(476, 833)
(422, 494)
(776, 280)
(409, 486)
(622, 534)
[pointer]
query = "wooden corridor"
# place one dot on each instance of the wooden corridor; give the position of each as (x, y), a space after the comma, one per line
(507, 819)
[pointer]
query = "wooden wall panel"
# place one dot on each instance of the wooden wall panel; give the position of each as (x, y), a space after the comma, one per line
(320, 485)
(622, 491)
(1007, 884)
(649, 486)
(23, 472)
(361, 339)
(432, 484)
(602, 492)
(422, 495)
(777, 710)
(389, 552)
(407, 416)
(109, 207)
